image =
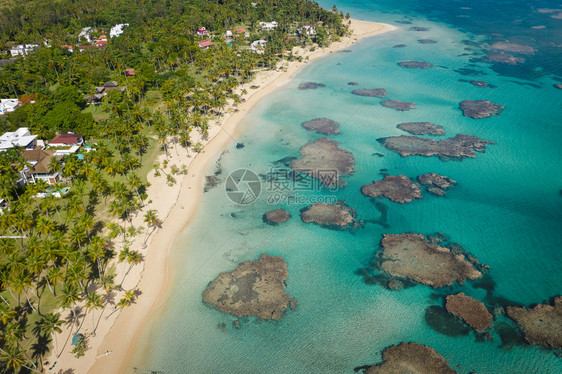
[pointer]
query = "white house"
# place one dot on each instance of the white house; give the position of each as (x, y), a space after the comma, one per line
(308, 30)
(258, 46)
(19, 138)
(202, 32)
(86, 33)
(268, 26)
(8, 105)
(117, 30)
(23, 49)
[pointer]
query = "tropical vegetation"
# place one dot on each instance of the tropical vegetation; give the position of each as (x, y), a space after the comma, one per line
(57, 255)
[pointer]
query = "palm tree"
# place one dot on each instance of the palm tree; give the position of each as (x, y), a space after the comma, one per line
(49, 324)
(132, 257)
(21, 282)
(54, 277)
(152, 221)
(127, 299)
(6, 313)
(93, 302)
(45, 225)
(12, 356)
(69, 297)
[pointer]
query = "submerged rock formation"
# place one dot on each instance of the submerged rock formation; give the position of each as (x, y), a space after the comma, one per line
(371, 92)
(461, 146)
(418, 28)
(324, 126)
(310, 85)
(275, 217)
(504, 58)
(514, 47)
(330, 216)
(542, 324)
(415, 64)
(353, 83)
(435, 183)
(427, 41)
(398, 188)
(412, 256)
(323, 160)
(471, 311)
(482, 84)
(411, 358)
(480, 108)
(421, 128)
(401, 106)
(399, 46)
(254, 288)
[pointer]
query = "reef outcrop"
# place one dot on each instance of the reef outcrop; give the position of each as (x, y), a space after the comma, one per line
(411, 256)
(480, 108)
(421, 128)
(323, 126)
(397, 188)
(324, 160)
(310, 85)
(370, 92)
(401, 106)
(460, 146)
(275, 217)
(473, 312)
(415, 64)
(330, 216)
(254, 288)
(411, 358)
(435, 183)
(542, 324)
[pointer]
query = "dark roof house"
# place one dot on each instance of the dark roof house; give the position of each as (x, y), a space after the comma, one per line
(67, 138)
(40, 161)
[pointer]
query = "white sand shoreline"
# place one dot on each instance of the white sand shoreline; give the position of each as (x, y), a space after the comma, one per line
(177, 205)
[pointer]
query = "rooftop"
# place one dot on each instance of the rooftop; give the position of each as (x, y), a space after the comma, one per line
(66, 138)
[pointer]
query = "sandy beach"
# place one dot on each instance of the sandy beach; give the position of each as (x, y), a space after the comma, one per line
(114, 344)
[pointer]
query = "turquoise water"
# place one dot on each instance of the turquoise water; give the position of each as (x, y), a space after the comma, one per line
(506, 210)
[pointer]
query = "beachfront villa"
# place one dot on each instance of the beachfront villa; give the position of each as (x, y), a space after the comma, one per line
(86, 33)
(202, 32)
(268, 26)
(8, 105)
(117, 30)
(307, 30)
(40, 166)
(258, 46)
(204, 44)
(23, 49)
(19, 138)
(67, 139)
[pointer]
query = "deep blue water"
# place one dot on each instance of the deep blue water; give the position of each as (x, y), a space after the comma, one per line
(506, 208)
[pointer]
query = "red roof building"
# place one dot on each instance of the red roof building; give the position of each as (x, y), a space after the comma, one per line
(67, 138)
(205, 43)
(202, 32)
(129, 72)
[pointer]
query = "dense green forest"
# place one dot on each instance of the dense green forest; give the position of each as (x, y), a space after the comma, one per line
(58, 267)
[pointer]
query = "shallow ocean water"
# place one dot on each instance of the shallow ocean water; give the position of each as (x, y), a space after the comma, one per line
(506, 210)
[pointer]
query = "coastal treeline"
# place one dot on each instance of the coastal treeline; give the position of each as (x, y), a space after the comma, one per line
(59, 243)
